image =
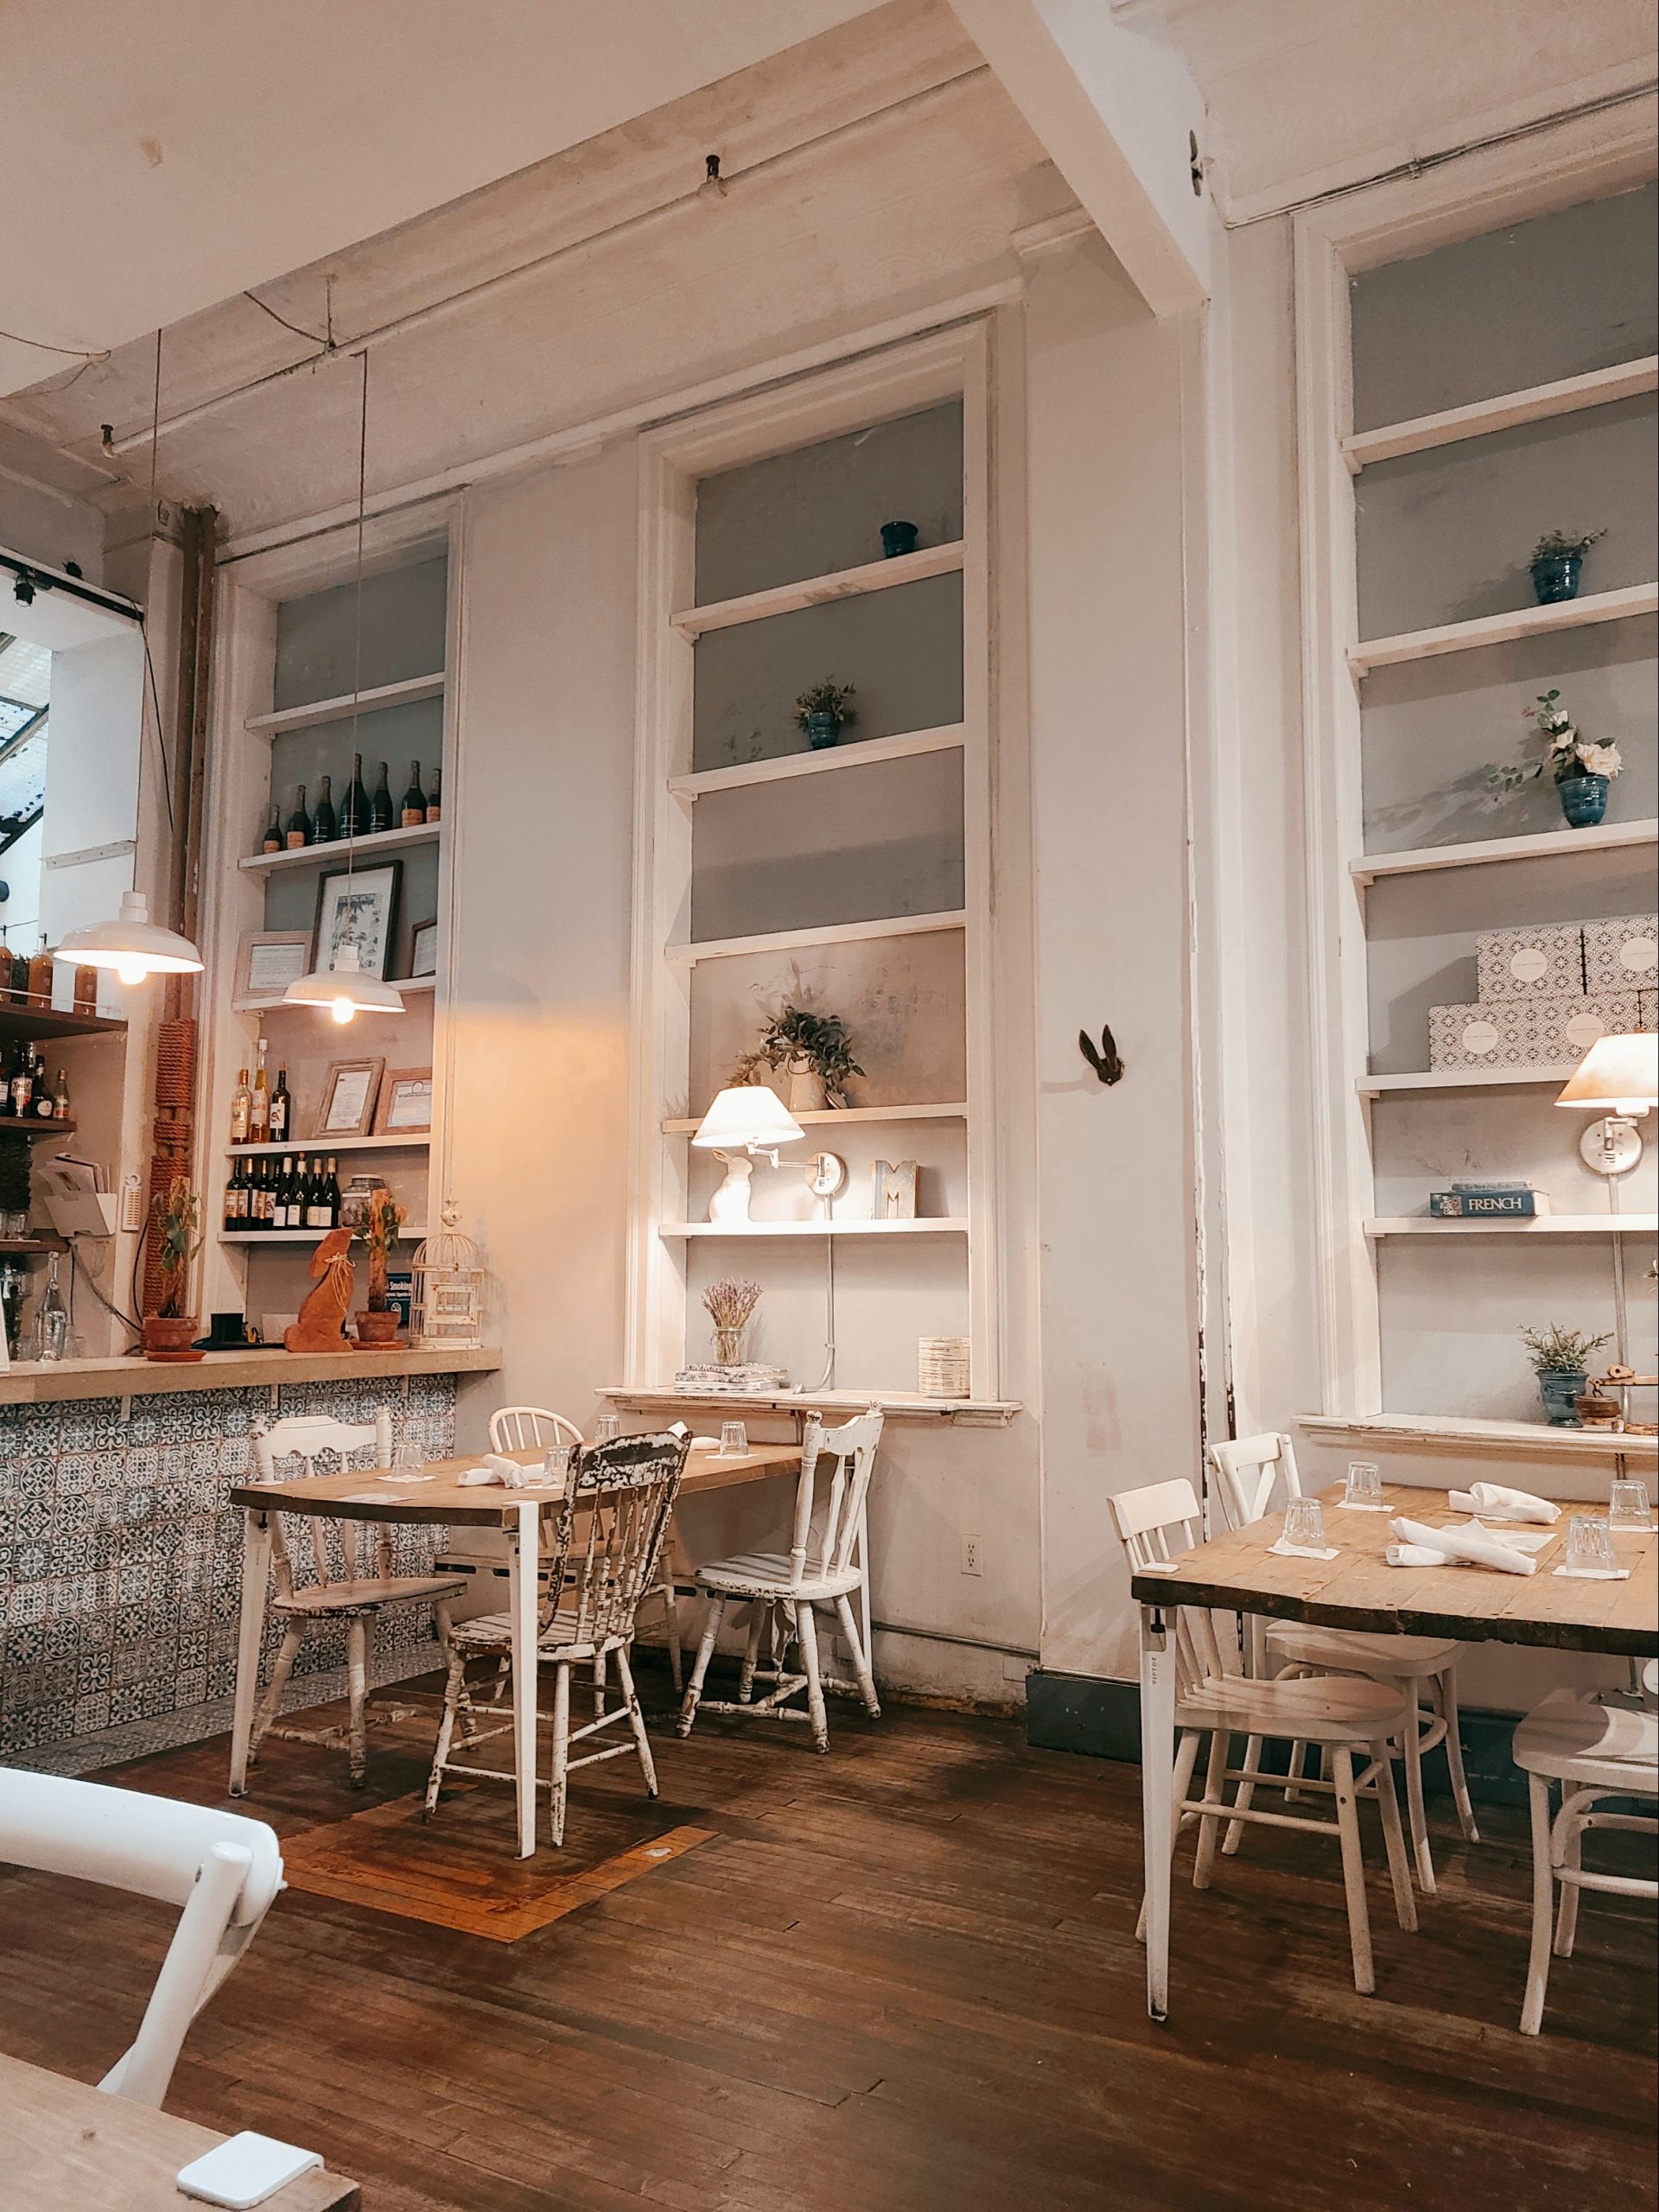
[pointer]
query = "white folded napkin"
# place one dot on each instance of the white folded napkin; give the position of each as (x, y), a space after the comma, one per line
(493, 1468)
(1518, 1539)
(1301, 1551)
(1470, 1544)
(1494, 1503)
(1415, 1555)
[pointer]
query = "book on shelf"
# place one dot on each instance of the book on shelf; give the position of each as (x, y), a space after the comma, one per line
(755, 1379)
(1488, 1202)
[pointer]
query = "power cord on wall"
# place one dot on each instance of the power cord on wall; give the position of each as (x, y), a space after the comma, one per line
(80, 1268)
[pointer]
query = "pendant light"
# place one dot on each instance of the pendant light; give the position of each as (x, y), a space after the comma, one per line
(343, 986)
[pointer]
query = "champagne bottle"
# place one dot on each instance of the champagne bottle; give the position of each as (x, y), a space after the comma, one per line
(325, 823)
(434, 807)
(299, 824)
(259, 1111)
(330, 1194)
(282, 1110)
(380, 814)
(316, 1199)
(413, 809)
(241, 1107)
(272, 841)
(354, 807)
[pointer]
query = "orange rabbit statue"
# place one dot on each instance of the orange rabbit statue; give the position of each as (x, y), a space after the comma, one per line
(321, 1323)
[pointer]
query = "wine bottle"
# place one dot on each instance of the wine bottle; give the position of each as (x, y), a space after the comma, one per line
(241, 1107)
(232, 1195)
(259, 1110)
(60, 1097)
(434, 806)
(413, 809)
(302, 1199)
(299, 824)
(325, 823)
(272, 841)
(354, 807)
(330, 1194)
(380, 813)
(285, 1193)
(282, 1110)
(316, 1200)
(264, 1193)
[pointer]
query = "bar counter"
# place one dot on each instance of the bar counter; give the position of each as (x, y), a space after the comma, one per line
(36, 1382)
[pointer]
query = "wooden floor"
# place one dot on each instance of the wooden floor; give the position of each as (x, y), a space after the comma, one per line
(899, 1978)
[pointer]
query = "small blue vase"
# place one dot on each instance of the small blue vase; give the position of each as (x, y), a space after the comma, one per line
(1558, 1387)
(1557, 576)
(899, 538)
(1584, 800)
(822, 729)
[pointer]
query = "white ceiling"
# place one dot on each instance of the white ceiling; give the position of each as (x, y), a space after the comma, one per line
(162, 156)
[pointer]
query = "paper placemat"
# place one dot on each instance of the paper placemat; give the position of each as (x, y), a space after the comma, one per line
(1343, 1506)
(1301, 1551)
(1594, 1573)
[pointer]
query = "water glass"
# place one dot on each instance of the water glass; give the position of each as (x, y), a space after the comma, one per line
(607, 1429)
(733, 1439)
(1589, 1543)
(1628, 1507)
(555, 1466)
(1305, 1524)
(1364, 1483)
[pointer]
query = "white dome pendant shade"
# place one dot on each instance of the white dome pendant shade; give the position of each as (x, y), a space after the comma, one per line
(344, 989)
(132, 945)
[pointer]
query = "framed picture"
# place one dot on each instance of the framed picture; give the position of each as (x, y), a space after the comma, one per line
(423, 950)
(359, 907)
(350, 1089)
(267, 962)
(405, 1102)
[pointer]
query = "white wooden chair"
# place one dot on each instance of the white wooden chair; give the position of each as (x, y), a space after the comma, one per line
(1247, 1474)
(825, 1566)
(1593, 1751)
(624, 1494)
(222, 1869)
(366, 1589)
(1343, 1712)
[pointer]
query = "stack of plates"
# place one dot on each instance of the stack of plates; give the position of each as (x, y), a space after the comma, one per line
(943, 1370)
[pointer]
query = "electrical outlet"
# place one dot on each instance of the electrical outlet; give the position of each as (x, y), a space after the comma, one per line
(973, 1554)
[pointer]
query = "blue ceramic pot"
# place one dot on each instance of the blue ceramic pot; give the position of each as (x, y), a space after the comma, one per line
(1558, 1387)
(1557, 576)
(822, 729)
(1584, 800)
(898, 537)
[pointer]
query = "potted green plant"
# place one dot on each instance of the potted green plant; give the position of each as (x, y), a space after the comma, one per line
(815, 1051)
(169, 1331)
(1560, 1360)
(1557, 563)
(378, 1322)
(1580, 767)
(822, 711)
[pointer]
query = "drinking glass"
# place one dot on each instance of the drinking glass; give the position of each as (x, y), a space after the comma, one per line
(407, 1461)
(607, 1429)
(733, 1439)
(1589, 1542)
(1364, 1483)
(1628, 1505)
(555, 1466)
(1305, 1524)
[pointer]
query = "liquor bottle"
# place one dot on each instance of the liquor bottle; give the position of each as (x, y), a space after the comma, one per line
(325, 823)
(22, 1081)
(40, 976)
(299, 824)
(45, 1104)
(414, 798)
(434, 805)
(20, 978)
(259, 1110)
(6, 1067)
(86, 990)
(54, 1316)
(282, 1110)
(60, 1097)
(354, 807)
(380, 814)
(272, 839)
(241, 1107)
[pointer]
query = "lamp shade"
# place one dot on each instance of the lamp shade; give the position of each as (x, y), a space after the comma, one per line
(344, 989)
(749, 1115)
(1617, 1075)
(132, 945)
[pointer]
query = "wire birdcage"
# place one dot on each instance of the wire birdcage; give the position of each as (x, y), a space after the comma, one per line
(448, 1288)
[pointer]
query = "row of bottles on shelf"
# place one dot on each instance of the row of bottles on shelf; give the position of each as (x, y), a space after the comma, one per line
(27, 1092)
(26, 977)
(260, 1114)
(283, 1192)
(48, 1338)
(361, 813)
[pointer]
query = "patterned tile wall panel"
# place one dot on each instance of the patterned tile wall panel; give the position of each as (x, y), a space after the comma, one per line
(120, 1554)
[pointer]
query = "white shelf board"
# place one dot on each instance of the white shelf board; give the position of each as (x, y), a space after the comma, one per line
(1485, 852)
(362, 848)
(940, 1225)
(818, 591)
(1567, 396)
(341, 709)
(845, 1114)
(1548, 1224)
(1455, 1079)
(732, 948)
(405, 1236)
(861, 753)
(396, 1140)
(1500, 1439)
(419, 984)
(901, 1405)
(1503, 629)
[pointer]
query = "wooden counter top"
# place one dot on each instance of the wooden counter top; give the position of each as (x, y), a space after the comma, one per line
(40, 1383)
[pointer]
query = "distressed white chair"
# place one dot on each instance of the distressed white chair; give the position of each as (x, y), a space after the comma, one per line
(624, 1493)
(1593, 1751)
(1248, 1475)
(222, 1869)
(1345, 1713)
(825, 1566)
(366, 1589)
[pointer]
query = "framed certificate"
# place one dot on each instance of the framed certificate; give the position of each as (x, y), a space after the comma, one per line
(405, 1102)
(350, 1089)
(267, 962)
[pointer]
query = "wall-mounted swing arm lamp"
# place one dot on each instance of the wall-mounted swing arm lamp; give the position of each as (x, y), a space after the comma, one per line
(1618, 1080)
(746, 1121)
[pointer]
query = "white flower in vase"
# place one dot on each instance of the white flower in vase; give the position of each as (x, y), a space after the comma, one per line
(1599, 760)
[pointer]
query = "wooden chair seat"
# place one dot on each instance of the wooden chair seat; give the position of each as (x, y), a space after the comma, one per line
(1358, 1651)
(1311, 1708)
(766, 1574)
(369, 1594)
(1604, 1747)
(561, 1635)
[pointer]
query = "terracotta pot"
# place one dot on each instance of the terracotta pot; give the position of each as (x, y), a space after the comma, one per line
(377, 1328)
(168, 1335)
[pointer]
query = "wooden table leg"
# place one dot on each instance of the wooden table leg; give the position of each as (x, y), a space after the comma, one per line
(256, 1570)
(1157, 1785)
(525, 1545)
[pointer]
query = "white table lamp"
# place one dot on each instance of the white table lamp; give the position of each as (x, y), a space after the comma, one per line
(1618, 1079)
(746, 1120)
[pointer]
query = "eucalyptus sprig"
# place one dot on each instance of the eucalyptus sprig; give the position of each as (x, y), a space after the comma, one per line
(1556, 1351)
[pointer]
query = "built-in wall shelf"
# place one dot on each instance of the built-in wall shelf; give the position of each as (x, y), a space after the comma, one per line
(394, 1140)
(1504, 629)
(1485, 852)
(404, 694)
(20, 1247)
(861, 753)
(937, 1226)
(405, 1236)
(404, 983)
(1548, 1224)
(844, 1115)
(1456, 1079)
(897, 1405)
(18, 1023)
(819, 591)
(734, 948)
(1497, 1439)
(25, 1125)
(362, 849)
(1566, 396)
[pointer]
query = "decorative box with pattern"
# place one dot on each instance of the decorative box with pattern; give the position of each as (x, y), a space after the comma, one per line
(1528, 1033)
(1622, 954)
(1543, 960)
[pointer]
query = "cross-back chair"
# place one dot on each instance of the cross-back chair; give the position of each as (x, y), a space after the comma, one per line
(1353, 1717)
(825, 1566)
(612, 1525)
(1255, 1474)
(366, 1588)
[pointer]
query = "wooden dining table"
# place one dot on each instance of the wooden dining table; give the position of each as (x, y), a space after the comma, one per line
(433, 1496)
(1239, 1572)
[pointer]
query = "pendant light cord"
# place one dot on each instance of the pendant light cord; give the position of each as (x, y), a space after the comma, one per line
(357, 608)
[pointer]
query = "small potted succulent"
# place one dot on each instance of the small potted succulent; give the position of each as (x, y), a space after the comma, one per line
(899, 538)
(815, 1050)
(169, 1331)
(378, 1322)
(1580, 767)
(822, 711)
(1557, 563)
(1561, 1359)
